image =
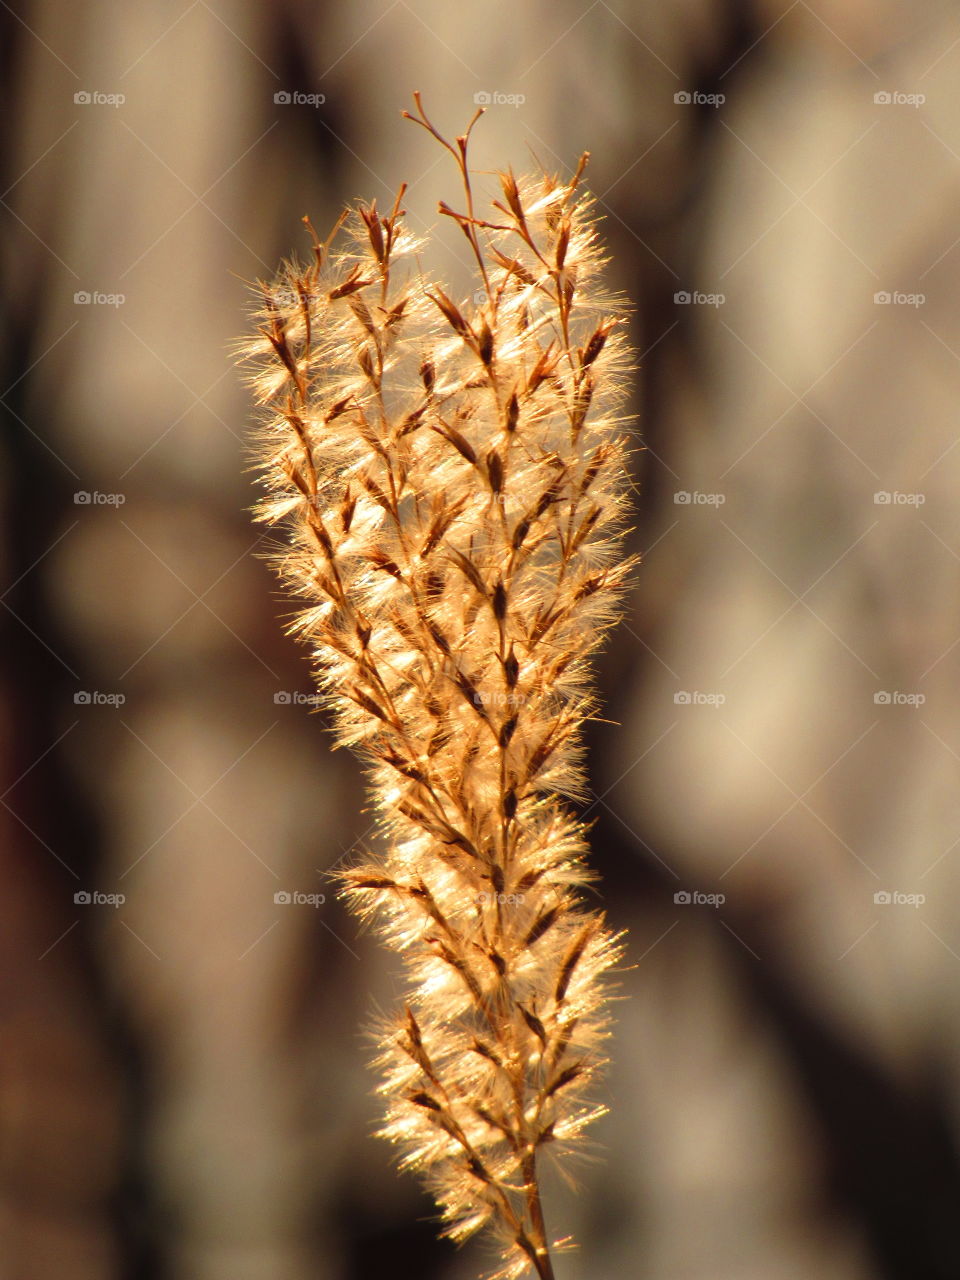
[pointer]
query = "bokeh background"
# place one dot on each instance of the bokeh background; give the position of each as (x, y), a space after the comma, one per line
(184, 1091)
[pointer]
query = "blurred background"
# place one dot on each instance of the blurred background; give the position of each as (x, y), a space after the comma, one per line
(184, 1081)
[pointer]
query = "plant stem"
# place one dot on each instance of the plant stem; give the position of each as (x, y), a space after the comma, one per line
(535, 1209)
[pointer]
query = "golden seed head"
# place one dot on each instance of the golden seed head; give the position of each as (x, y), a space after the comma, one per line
(449, 479)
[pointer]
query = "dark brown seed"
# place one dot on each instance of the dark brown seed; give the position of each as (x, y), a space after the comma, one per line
(565, 1077)
(513, 413)
(495, 470)
(424, 1100)
(485, 345)
(459, 442)
(571, 962)
(534, 1023)
(541, 925)
(595, 345)
(511, 669)
(519, 533)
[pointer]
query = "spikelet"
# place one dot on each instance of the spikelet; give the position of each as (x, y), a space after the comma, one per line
(450, 481)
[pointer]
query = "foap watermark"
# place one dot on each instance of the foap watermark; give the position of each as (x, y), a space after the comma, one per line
(94, 498)
(94, 98)
(896, 298)
(695, 898)
(293, 698)
(295, 898)
(894, 498)
(694, 98)
(483, 98)
(284, 297)
(503, 899)
(694, 298)
(96, 698)
(86, 298)
(897, 899)
(94, 898)
(897, 98)
(296, 98)
(694, 498)
(694, 698)
(896, 698)
(499, 698)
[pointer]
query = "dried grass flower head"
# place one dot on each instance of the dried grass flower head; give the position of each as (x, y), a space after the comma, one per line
(449, 477)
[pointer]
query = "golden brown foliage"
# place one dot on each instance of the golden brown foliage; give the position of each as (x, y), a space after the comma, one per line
(450, 478)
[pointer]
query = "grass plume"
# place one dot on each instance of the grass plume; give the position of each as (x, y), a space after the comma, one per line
(449, 478)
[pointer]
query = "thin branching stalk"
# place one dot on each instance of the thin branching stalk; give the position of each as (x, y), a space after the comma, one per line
(450, 481)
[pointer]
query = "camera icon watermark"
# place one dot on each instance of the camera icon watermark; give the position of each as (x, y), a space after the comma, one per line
(295, 98)
(284, 296)
(694, 898)
(694, 698)
(885, 698)
(94, 698)
(694, 298)
(86, 498)
(896, 98)
(501, 698)
(294, 698)
(694, 98)
(897, 899)
(497, 99)
(88, 298)
(88, 98)
(294, 898)
(94, 898)
(886, 498)
(694, 498)
(897, 298)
